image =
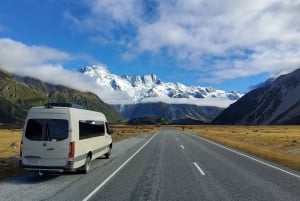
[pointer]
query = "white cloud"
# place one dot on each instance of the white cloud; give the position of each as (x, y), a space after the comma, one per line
(194, 32)
(45, 64)
(17, 55)
(208, 101)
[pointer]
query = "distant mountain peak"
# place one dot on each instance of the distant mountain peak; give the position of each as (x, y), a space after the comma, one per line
(95, 70)
(138, 80)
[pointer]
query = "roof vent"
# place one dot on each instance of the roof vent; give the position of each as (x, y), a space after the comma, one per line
(50, 105)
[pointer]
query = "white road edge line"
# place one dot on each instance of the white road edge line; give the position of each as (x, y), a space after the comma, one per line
(116, 171)
(249, 157)
(182, 146)
(199, 169)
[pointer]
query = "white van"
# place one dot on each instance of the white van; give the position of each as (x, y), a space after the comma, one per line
(59, 137)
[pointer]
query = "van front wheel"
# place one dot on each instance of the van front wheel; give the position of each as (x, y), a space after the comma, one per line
(107, 155)
(87, 165)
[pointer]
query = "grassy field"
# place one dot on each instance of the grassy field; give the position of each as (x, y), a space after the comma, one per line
(10, 145)
(279, 144)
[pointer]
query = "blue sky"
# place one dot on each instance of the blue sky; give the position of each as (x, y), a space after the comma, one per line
(227, 44)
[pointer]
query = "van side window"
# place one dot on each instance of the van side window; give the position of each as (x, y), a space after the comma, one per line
(89, 129)
(47, 129)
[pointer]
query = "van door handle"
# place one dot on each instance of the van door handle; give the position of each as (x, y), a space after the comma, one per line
(50, 149)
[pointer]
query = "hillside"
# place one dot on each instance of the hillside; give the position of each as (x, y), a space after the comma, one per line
(275, 102)
(176, 113)
(18, 94)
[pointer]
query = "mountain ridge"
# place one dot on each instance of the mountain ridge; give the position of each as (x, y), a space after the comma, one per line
(176, 113)
(149, 88)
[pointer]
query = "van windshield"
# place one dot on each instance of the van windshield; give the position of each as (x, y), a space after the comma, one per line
(47, 129)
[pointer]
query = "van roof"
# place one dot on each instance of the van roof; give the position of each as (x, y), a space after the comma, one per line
(40, 109)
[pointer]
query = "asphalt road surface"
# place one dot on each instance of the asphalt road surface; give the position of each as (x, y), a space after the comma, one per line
(170, 165)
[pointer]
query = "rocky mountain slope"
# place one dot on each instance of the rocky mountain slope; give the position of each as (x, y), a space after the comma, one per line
(18, 94)
(275, 102)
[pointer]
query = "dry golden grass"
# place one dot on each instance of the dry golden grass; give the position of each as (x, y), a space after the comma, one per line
(280, 144)
(10, 153)
(7, 137)
(125, 131)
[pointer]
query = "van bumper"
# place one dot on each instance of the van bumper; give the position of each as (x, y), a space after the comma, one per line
(67, 168)
(43, 169)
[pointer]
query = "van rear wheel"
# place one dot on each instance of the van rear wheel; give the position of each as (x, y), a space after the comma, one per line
(87, 165)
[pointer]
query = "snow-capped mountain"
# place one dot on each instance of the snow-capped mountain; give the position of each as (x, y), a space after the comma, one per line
(149, 88)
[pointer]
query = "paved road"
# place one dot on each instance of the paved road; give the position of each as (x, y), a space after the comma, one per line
(171, 165)
(180, 166)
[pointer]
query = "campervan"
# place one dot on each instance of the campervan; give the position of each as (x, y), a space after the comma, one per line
(61, 137)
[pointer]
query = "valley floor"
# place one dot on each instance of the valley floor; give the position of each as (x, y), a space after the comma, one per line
(279, 144)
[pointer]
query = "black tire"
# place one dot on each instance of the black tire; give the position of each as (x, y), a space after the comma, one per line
(87, 165)
(108, 154)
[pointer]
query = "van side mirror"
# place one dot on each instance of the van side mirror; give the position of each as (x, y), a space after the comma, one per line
(110, 131)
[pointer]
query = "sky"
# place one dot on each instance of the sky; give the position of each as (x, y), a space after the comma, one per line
(229, 44)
